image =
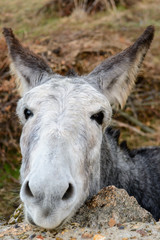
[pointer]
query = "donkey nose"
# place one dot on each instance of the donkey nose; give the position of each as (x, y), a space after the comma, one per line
(29, 191)
(69, 192)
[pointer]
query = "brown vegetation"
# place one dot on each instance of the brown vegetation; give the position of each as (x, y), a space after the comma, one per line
(67, 7)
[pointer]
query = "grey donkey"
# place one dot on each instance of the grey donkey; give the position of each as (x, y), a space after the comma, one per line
(68, 151)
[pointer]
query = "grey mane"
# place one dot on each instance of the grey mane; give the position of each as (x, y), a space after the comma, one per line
(136, 171)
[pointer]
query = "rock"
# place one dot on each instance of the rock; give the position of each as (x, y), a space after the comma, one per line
(109, 207)
(106, 211)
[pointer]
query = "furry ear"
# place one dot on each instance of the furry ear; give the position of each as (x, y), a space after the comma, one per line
(116, 76)
(31, 69)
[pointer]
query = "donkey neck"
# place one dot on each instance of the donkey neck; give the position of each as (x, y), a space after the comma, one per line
(116, 162)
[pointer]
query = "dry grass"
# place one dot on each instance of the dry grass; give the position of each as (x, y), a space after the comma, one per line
(22, 17)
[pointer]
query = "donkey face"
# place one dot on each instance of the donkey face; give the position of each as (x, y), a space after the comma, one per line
(60, 148)
(63, 122)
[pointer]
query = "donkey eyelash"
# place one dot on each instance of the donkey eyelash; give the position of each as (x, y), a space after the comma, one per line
(98, 117)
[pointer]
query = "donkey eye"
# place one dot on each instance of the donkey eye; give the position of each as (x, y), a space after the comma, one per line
(27, 113)
(98, 117)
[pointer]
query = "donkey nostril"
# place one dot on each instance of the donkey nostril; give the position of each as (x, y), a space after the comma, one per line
(28, 190)
(68, 194)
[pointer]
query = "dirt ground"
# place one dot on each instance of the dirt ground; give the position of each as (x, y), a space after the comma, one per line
(81, 42)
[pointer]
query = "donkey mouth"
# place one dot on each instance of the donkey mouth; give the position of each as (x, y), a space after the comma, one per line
(31, 221)
(63, 222)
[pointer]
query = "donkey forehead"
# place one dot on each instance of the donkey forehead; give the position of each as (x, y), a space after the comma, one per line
(73, 92)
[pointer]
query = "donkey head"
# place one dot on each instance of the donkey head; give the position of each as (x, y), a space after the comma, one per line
(63, 123)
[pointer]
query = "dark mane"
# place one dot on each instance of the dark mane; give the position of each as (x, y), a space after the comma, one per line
(115, 134)
(71, 73)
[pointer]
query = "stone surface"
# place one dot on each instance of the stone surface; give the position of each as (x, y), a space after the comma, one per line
(111, 214)
(109, 207)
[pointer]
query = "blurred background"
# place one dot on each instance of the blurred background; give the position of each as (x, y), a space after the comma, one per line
(78, 34)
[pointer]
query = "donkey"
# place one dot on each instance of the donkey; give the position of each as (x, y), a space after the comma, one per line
(68, 151)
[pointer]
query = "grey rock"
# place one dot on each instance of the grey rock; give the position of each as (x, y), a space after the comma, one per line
(109, 203)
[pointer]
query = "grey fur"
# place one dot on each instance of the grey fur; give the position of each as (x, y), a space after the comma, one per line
(65, 160)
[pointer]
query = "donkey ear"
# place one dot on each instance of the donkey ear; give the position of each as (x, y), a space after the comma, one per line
(116, 76)
(28, 67)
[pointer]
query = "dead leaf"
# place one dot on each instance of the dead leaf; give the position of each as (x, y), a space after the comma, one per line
(40, 237)
(142, 232)
(87, 235)
(99, 237)
(112, 222)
